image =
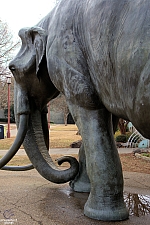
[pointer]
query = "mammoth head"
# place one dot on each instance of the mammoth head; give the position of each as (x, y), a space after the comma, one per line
(32, 93)
(32, 50)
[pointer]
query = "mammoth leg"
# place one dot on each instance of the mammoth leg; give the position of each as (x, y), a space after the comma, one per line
(81, 183)
(103, 165)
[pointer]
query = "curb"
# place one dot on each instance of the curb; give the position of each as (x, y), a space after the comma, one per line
(142, 157)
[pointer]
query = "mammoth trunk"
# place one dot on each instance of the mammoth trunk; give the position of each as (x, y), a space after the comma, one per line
(37, 152)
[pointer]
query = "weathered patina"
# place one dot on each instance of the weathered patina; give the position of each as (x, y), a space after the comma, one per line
(97, 53)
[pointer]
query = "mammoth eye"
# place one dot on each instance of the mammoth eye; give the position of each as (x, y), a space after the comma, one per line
(12, 68)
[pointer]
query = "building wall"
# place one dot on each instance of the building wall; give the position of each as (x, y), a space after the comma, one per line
(2, 113)
(56, 117)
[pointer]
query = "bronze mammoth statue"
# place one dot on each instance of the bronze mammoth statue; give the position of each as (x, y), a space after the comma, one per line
(97, 54)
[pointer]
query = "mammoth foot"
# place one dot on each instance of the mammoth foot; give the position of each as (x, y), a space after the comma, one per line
(99, 210)
(80, 186)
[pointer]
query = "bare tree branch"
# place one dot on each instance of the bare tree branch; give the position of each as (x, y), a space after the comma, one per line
(7, 47)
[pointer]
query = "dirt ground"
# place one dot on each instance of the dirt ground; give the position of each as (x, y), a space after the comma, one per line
(131, 163)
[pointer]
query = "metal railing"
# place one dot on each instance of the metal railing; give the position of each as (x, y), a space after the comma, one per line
(136, 140)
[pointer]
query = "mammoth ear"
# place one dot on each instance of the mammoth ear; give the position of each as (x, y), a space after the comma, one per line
(38, 40)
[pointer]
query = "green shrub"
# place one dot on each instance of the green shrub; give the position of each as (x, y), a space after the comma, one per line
(121, 138)
(146, 154)
(128, 134)
(117, 133)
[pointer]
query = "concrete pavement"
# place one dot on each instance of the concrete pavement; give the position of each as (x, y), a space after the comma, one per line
(28, 199)
(66, 151)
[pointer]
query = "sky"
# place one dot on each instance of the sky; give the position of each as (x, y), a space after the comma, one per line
(18, 14)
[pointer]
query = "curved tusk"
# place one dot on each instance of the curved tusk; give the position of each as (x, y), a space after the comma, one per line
(22, 130)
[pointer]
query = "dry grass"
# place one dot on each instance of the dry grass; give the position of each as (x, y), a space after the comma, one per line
(62, 136)
(18, 160)
(24, 160)
(6, 143)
